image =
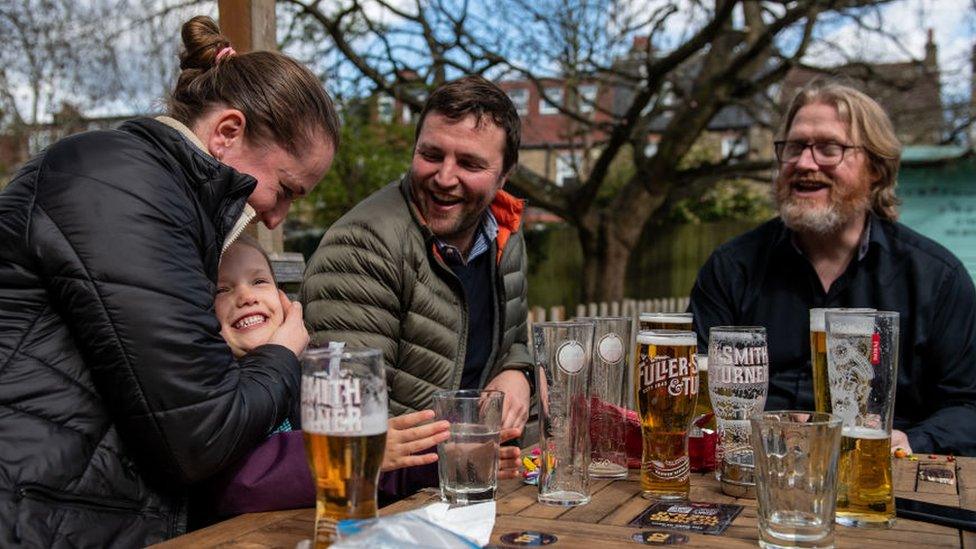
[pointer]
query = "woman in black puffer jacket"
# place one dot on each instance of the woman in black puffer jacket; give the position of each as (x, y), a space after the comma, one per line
(117, 391)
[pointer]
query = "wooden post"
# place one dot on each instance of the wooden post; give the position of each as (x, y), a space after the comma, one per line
(250, 25)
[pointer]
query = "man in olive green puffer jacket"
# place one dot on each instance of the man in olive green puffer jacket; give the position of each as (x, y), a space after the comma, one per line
(432, 270)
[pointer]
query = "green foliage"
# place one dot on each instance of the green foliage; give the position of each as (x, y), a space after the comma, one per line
(735, 199)
(370, 156)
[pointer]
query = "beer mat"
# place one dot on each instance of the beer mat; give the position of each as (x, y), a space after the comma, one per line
(528, 539)
(942, 473)
(658, 537)
(704, 518)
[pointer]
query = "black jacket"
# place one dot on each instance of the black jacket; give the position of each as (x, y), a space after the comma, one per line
(762, 279)
(116, 388)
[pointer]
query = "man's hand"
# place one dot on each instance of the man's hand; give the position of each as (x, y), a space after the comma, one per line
(508, 456)
(515, 410)
(292, 332)
(900, 440)
(404, 438)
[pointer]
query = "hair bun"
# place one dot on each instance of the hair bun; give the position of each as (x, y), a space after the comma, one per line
(202, 41)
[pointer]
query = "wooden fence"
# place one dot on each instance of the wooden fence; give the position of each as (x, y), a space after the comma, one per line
(627, 307)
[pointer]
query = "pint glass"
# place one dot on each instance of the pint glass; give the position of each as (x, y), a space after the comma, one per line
(818, 356)
(738, 380)
(608, 396)
(665, 321)
(344, 423)
(667, 390)
(862, 362)
(467, 462)
(563, 357)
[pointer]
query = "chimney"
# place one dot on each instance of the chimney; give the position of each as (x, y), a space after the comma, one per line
(931, 53)
(639, 44)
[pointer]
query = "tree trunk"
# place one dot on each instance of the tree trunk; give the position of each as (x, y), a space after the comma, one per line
(605, 259)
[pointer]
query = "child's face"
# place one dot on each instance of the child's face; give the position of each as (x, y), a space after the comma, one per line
(247, 302)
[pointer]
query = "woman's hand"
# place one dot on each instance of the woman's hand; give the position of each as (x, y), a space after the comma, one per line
(292, 333)
(404, 438)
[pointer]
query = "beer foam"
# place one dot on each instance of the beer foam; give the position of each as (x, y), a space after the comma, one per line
(675, 338)
(374, 424)
(852, 325)
(864, 433)
(674, 318)
(818, 317)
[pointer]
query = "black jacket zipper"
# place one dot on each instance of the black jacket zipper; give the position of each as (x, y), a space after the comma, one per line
(42, 493)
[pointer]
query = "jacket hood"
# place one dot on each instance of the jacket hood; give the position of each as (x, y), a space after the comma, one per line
(222, 190)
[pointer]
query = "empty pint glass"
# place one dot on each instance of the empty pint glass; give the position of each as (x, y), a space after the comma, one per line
(563, 356)
(796, 477)
(818, 356)
(667, 391)
(608, 396)
(738, 380)
(665, 321)
(862, 362)
(467, 462)
(344, 423)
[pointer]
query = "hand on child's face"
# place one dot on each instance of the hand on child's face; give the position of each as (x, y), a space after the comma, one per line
(247, 302)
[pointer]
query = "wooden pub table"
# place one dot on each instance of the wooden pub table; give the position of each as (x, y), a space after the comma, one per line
(602, 523)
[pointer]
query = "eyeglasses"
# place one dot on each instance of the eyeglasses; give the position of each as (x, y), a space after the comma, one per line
(825, 154)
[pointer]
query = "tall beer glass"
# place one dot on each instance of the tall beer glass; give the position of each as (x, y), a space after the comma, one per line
(563, 357)
(667, 391)
(344, 411)
(738, 381)
(862, 362)
(608, 396)
(818, 356)
(665, 321)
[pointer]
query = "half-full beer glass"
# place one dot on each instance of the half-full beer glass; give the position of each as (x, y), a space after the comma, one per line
(665, 321)
(608, 396)
(563, 357)
(738, 380)
(667, 391)
(862, 362)
(818, 356)
(344, 421)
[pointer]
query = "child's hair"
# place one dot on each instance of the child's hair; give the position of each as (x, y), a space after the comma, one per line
(248, 240)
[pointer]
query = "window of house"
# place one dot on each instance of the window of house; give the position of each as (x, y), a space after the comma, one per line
(520, 98)
(384, 109)
(734, 146)
(587, 94)
(567, 168)
(556, 96)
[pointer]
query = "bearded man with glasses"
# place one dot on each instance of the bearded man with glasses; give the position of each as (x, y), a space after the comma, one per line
(837, 243)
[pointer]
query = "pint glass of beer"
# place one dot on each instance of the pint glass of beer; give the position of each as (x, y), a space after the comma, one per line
(667, 391)
(665, 321)
(563, 357)
(818, 356)
(608, 396)
(862, 364)
(738, 381)
(344, 421)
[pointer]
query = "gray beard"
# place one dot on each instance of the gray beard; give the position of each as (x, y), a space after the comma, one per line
(821, 221)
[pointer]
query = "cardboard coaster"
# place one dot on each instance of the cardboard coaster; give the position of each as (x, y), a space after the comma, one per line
(658, 537)
(528, 539)
(703, 518)
(943, 473)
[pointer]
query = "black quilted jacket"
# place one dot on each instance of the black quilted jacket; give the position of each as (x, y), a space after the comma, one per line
(116, 389)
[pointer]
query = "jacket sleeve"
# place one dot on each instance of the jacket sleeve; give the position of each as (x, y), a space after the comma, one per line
(122, 260)
(351, 292)
(712, 302)
(950, 360)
